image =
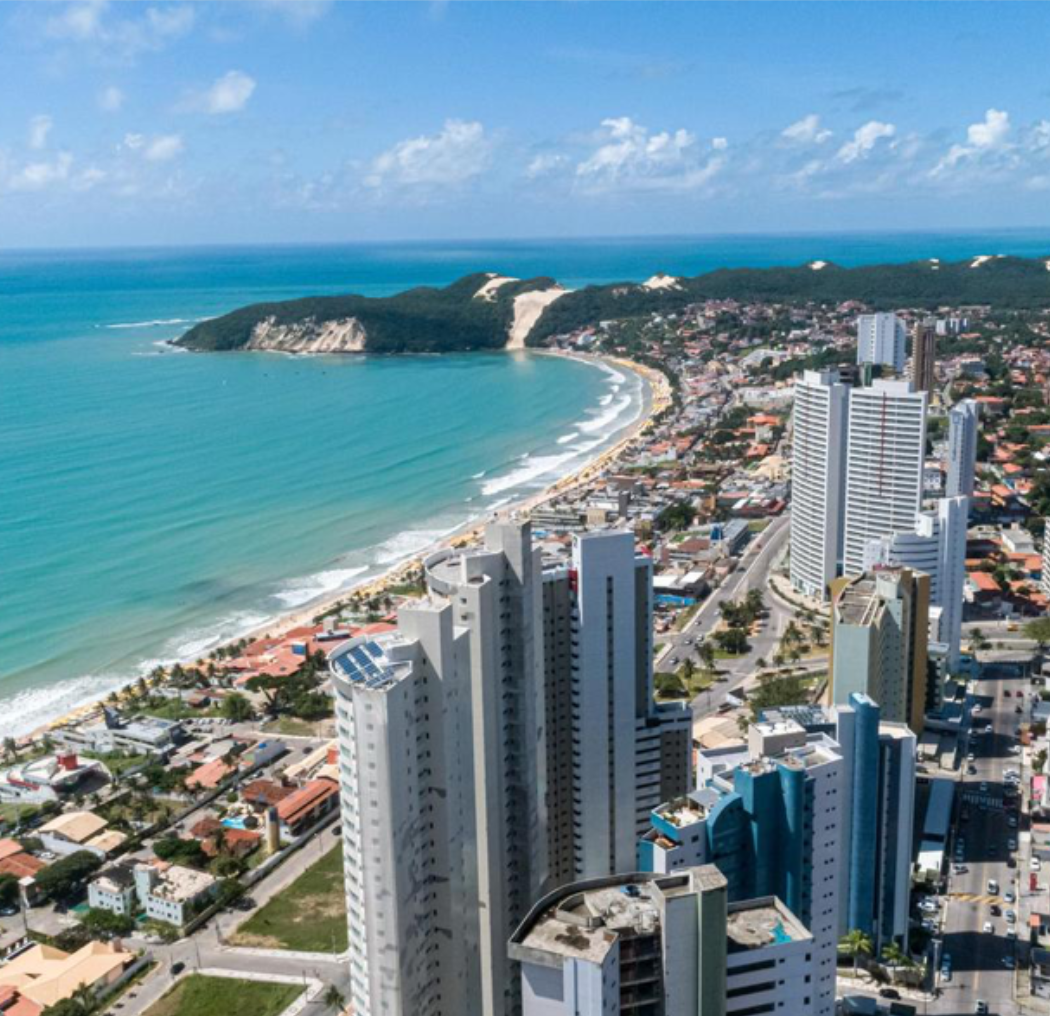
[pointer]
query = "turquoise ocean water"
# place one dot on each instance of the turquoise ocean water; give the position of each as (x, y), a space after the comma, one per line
(153, 502)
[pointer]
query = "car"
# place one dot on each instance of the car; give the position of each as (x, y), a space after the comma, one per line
(988, 928)
(1009, 897)
(1006, 692)
(1035, 864)
(1018, 710)
(929, 924)
(971, 757)
(8, 911)
(929, 907)
(946, 973)
(996, 910)
(976, 711)
(971, 770)
(177, 968)
(980, 1006)
(959, 869)
(1011, 843)
(993, 887)
(1011, 917)
(889, 993)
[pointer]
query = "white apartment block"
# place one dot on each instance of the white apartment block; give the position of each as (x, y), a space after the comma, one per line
(501, 741)
(669, 944)
(113, 889)
(1044, 581)
(884, 466)
(936, 546)
(817, 478)
(963, 420)
(882, 339)
(171, 894)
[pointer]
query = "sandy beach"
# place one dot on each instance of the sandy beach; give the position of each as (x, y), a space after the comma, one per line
(657, 395)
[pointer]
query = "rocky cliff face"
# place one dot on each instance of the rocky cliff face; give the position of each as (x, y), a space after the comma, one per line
(342, 335)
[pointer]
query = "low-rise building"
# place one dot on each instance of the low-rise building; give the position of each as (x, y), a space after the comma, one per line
(43, 976)
(170, 893)
(48, 778)
(302, 810)
(80, 830)
(114, 890)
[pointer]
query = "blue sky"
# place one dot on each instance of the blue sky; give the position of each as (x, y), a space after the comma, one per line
(154, 123)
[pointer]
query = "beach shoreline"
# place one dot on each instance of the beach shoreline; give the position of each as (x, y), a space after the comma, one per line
(656, 395)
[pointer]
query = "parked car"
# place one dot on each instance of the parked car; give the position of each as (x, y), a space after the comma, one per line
(993, 887)
(889, 993)
(177, 968)
(1009, 897)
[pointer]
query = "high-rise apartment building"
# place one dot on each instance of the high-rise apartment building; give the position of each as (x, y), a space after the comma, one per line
(818, 463)
(771, 816)
(963, 420)
(924, 356)
(881, 339)
(884, 466)
(662, 945)
(937, 546)
(503, 740)
(879, 638)
(1044, 582)
(880, 761)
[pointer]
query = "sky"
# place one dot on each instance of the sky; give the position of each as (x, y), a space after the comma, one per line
(131, 123)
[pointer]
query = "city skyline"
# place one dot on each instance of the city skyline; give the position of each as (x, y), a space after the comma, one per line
(310, 121)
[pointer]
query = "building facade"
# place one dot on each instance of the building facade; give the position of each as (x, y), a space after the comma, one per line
(963, 420)
(937, 546)
(924, 356)
(818, 466)
(879, 638)
(884, 466)
(771, 817)
(881, 339)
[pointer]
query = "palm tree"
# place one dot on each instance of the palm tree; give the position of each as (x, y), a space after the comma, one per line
(856, 944)
(333, 997)
(894, 956)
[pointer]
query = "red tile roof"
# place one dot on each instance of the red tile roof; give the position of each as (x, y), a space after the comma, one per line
(305, 800)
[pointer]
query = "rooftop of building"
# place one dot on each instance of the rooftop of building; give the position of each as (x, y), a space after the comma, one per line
(178, 884)
(755, 924)
(374, 662)
(585, 920)
(682, 811)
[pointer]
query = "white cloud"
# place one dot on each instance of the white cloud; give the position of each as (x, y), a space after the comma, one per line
(459, 152)
(629, 157)
(110, 99)
(111, 31)
(806, 131)
(36, 176)
(229, 94)
(985, 137)
(864, 140)
(39, 128)
(545, 164)
(159, 148)
(719, 144)
(298, 13)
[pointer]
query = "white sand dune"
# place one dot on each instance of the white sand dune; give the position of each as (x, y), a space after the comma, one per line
(662, 281)
(488, 290)
(527, 310)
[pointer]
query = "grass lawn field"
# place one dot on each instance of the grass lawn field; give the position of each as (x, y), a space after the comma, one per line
(307, 916)
(197, 995)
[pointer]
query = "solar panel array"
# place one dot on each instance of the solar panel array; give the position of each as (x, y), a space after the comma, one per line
(362, 663)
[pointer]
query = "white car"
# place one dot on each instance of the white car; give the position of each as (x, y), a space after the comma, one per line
(1009, 897)
(929, 907)
(988, 929)
(959, 869)
(993, 887)
(976, 709)
(971, 758)
(1035, 864)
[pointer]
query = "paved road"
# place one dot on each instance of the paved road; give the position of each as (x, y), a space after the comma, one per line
(752, 573)
(983, 815)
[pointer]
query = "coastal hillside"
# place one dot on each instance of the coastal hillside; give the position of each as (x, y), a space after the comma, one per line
(489, 311)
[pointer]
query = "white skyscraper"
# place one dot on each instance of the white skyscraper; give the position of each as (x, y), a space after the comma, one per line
(963, 420)
(881, 339)
(936, 546)
(501, 741)
(884, 466)
(818, 462)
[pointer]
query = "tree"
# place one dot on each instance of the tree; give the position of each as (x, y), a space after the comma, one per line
(333, 998)
(856, 944)
(178, 851)
(732, 640)
(8, 890)
(236, 707)
(1039, 631)
(67, 874)
(106, 924)
(11, 748)
(894, 956)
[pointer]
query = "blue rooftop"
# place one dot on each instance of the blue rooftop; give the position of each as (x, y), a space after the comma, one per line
(364, 664)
